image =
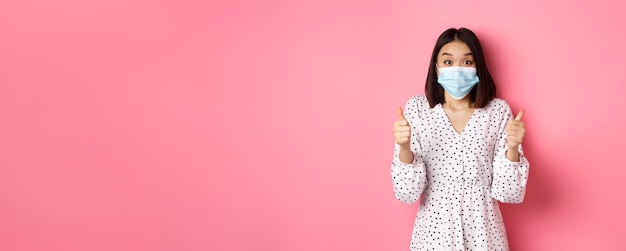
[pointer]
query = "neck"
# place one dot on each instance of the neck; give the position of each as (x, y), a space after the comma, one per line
(458, 104)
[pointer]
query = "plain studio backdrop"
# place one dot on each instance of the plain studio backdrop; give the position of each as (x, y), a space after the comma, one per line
(266, 125)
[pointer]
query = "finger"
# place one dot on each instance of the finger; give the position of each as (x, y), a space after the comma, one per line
(519, 115)
(400, 135)
(400, 113)
(514, 137)
(516, 133)
(401, 123)
(520, 131)
(515, 124)
(402, 140)
(402, 129)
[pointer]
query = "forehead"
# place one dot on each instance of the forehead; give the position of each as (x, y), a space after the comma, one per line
(455, 48)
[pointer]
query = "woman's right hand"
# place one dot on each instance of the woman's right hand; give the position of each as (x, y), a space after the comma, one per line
(402, 130)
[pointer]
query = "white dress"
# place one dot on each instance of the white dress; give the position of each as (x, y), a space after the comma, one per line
(459, 178)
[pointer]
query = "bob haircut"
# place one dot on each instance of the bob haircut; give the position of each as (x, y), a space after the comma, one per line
(483, 92)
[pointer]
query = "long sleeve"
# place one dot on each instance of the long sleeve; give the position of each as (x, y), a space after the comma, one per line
(509, 178)
(409, 180)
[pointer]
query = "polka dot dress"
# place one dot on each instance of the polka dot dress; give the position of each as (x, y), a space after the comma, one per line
(459, 178)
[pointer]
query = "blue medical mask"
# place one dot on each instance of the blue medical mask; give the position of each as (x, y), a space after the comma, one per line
(457, 81)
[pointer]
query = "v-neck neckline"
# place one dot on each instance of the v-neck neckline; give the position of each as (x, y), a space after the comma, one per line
(449, 122)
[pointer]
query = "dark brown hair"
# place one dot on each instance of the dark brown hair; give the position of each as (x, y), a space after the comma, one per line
(483, 92)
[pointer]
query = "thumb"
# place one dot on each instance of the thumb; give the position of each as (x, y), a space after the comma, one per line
(520, 114)
(400, 113)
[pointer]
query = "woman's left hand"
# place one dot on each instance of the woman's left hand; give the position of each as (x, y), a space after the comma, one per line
(515, 131)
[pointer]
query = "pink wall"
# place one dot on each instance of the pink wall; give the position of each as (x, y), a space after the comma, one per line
(266, 125)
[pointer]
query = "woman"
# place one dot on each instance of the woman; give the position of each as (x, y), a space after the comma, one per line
(458, 150)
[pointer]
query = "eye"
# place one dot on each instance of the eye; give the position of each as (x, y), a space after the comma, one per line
(447, 62)
(468, 62)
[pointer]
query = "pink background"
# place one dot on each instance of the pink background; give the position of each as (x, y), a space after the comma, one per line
(266, 125)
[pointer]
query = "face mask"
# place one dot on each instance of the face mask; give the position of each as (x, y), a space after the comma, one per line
(457, 81)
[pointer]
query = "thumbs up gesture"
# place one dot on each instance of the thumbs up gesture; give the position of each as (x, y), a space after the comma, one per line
(515, 131)
(402, 130)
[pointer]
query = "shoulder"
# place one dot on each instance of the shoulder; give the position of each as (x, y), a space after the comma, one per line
(417, 102)
(415, 106)
(500, 109)
(498, 104)
(421, 99)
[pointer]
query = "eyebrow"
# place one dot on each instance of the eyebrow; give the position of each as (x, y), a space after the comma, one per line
(448, 54)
